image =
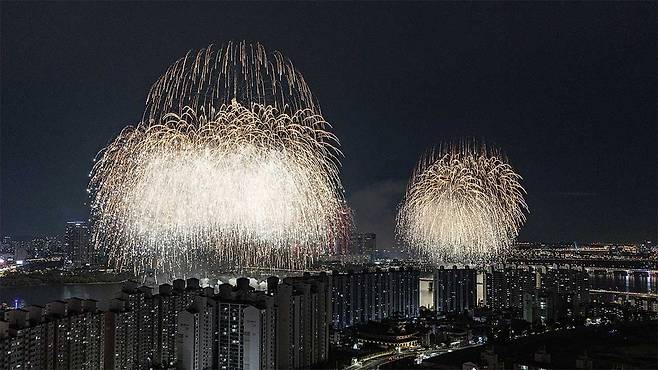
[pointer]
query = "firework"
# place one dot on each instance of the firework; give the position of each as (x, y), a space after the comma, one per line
(231, 165)
(243, 72)
(463, 203)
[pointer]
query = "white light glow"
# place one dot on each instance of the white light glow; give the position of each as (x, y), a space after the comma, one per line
(463, 204)
(236, 178)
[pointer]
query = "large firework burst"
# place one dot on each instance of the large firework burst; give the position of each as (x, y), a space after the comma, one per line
(232, 164)
(463, 203)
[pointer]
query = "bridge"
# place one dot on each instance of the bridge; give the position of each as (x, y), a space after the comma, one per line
(614, 264)
(631, 294)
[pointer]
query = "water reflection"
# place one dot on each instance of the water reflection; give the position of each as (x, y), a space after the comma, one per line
(624, 281)
(40, 295)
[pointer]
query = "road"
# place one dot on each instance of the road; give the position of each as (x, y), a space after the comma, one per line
(374, 363)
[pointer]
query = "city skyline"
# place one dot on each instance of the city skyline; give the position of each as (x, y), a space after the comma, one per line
(328, 185)
(311, 320)
(568, 99)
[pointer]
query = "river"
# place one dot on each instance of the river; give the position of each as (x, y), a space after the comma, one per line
(103, 292)
(42, 294)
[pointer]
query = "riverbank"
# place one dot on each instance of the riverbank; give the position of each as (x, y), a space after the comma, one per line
(43, 294)
(50, 277)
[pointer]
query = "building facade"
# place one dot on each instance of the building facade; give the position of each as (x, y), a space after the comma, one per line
(77, 243)
(374, 294)
(506, 286)
(184, 327)
(62, 335)
(454, 289)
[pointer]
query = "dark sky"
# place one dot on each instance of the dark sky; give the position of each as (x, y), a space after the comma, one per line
(567, 91)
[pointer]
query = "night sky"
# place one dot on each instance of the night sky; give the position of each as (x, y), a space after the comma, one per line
(567, 91)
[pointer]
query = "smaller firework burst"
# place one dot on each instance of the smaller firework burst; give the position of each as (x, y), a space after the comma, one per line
(464, 203)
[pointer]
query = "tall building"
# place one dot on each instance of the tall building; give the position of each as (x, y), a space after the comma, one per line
(374, 295)
(304, 313)
(120, 333)
(568, 288)
(537, 294)
(564, 280)
(286, 327)
(546, 307)
(23, 340)
(142, 328)
(454, 289)
(77, 243)
(246, 328)
(62, 335)
(171, 300)
(195, 335)
(543, 307)
(182, 327)
(506, 286)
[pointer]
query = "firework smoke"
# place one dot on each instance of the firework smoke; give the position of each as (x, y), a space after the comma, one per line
(232, 165)
(463, 203)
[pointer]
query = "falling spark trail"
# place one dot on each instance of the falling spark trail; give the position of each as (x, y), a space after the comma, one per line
(231, 165)
(464, 204)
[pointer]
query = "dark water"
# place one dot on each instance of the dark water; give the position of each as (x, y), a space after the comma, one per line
(622, 281)
(40, 295)
(102, 292)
